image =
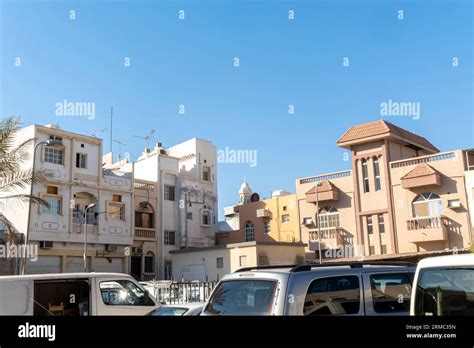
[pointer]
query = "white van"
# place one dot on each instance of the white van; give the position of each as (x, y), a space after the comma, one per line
(444, 285)
(73, 294)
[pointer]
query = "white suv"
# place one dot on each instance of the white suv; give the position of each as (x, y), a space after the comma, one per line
(444, 286)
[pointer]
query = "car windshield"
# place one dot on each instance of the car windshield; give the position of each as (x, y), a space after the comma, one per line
(242, 297)
(169, 311)
(445, 291)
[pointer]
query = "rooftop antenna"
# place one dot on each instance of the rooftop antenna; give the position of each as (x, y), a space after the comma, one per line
(98, 133)
(148, 138)
(119, 143)
(111, 123)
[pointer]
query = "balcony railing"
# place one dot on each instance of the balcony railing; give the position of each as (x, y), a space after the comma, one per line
(423, 159)
(427, 229)
(330, 237)
(323, 177)
(91, 228)
(145, 233)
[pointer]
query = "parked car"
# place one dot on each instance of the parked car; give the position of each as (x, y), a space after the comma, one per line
(444, 286)
(358, 288)
(74, 294)
(184, 309)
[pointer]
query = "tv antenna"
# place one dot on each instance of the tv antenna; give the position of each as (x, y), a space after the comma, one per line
(148, 137)
(120, 144)
(98, 133)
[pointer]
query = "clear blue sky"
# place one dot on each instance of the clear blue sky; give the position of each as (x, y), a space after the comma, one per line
(282, 62)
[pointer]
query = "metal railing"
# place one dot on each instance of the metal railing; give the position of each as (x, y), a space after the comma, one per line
(420, 223)
(167, 292)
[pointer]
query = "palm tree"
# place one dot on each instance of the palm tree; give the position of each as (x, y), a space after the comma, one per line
(14, 179)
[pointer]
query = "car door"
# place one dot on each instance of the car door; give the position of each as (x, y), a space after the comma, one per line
(387, 292)
(334, 295)
(122, 296)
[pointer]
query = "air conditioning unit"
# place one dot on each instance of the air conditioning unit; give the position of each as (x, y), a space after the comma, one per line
(263, 213)
(110, 247)
(137, 250)
(46, 245)
(307, 221)
(454, 203)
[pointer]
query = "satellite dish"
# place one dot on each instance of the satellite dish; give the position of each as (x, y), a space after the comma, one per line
(254, 197)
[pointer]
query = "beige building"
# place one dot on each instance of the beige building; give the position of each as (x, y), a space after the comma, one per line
(75, 180)
(212, 263)
(401, 196)
(270, 219)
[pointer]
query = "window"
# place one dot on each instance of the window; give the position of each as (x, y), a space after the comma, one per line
(370, 226)
(53, 155)
(242, 297)
(54, 206)
(333, 296)
(117, 198)
(206, 218)
(52, 190)
(445, 291)
(170, 238)
(206, 173)
(53, 297)
(169, 192)
(249, 232)
(284, 208)
(220, 262)
(371, 250)
(243, 260)
(328, 218)
(266, 227)
(168, 269)
(391, 292)
(383, 248)
(189, 216)
(115, 211)
(427, 205)
(123, 293)
(149, 262)
(365, 176)
(377, 174)
(381, 223)
(144, 216)
(285, 218)
(81, 160)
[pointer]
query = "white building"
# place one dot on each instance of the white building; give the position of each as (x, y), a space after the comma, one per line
(75, 179)
(175, 202)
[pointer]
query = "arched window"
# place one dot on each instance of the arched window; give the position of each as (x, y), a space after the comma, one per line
(249, 232)
(144, 216)
(328, 217)
(365, 175)
(427, 205)
(149, 262)
(376, 163)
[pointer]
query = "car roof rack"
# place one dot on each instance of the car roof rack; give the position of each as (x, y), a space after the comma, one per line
(308, 266)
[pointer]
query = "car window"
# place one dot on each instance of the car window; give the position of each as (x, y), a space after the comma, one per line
(333, 296)
(391, 292)
(242, 297)
(445, 291)
(123, 293)
(170, 311)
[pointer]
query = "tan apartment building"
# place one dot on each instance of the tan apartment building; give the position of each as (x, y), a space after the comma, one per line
(273, 219)
(401, 196)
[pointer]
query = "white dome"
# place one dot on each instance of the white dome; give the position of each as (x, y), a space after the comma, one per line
(280, 192)
(245, 188)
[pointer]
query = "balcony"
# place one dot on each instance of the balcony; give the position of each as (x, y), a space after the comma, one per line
(427, 229)
(142, 233)
(331, 238)
(91, 228)
(263, 213)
